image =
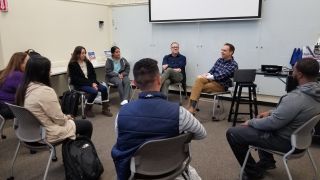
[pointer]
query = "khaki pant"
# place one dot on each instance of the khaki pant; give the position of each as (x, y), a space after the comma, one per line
(202, 84)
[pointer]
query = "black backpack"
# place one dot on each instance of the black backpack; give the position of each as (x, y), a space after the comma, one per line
(70, 102)
(80, 160)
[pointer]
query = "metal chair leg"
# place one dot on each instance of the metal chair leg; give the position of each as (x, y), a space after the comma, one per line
(284, 159)
(14, 159)
(48, 164)
(180, 91)
(214, 106)
(244, 163)
(1, 127)
(82, 106)
(313, 164)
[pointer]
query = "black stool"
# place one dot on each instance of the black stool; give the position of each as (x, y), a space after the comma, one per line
(244, 78)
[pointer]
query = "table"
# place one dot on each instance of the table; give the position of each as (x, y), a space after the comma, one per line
(279, 75)
(55, 71)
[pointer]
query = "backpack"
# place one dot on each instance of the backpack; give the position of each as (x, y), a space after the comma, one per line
(80, 160)
(70, 102)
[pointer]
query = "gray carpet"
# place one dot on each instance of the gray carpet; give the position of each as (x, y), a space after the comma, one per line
(212, 157)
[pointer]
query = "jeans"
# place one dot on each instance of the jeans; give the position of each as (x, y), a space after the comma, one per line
(92, 92)
(241, 137)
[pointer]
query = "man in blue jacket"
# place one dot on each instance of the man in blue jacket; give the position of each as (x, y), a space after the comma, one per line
(273, 129)
(149, 117)
(173, 66)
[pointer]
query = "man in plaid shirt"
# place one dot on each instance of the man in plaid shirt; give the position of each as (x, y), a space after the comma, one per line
(217, 79)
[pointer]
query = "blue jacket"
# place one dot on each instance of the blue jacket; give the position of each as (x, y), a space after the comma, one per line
(148, 118)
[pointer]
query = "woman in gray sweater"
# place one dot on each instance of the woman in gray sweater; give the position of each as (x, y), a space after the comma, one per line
(117, 72)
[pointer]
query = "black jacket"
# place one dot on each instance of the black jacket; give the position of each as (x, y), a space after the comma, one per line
(77, 76)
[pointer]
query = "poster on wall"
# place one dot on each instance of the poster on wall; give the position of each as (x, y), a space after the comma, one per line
(4, 5)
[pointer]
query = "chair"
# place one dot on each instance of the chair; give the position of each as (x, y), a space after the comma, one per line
(215, 100)
(2, 123)
(301, 139)
(162, 159)
(244, 78)
(29, 131)
(181, 85)
(111, 85)
(82, 97)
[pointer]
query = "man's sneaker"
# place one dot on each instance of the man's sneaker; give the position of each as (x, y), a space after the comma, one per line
(266, 165)
(124, 102)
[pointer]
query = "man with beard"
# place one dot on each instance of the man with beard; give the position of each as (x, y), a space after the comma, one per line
(273, 129)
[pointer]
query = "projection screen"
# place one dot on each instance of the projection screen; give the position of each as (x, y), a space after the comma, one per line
(203, 10)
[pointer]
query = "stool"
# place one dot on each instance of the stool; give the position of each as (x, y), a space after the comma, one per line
(244, 78)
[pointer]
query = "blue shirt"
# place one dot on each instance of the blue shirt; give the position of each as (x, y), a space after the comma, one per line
(223, 70)
(116, 66)
(175, 62)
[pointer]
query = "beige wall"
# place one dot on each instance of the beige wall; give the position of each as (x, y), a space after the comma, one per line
(54, 28)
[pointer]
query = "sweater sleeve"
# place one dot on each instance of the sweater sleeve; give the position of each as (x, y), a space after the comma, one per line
(188, 123)
(279, 117)
(126, 67)
(51, 107)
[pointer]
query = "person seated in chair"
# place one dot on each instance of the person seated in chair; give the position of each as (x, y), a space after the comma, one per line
(10, 79)
(83, 78)
(117, 72)
(173, 66)
(273, 129)
(36, 95)
(149, 117)
(218, 79)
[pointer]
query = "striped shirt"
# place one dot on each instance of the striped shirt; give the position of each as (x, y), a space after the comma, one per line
(223, 70)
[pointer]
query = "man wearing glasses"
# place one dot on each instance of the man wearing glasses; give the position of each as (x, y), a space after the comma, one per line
(173, 66)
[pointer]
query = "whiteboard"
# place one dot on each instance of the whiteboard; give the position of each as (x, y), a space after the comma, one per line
(195, 10)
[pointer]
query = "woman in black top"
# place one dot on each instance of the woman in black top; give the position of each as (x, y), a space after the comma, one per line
(83, 78)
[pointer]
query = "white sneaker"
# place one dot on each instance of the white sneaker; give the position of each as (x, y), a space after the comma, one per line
(124, 102)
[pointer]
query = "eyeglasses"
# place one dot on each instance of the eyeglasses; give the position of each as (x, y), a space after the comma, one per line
(175, 47)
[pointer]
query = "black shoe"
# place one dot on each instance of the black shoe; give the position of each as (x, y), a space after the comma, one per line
(246, 176)
(266, 165)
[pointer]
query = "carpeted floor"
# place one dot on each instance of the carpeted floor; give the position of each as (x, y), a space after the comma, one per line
(212, 157)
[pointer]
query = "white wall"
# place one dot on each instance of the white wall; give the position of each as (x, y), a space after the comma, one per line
(284, 25)
(54, 28)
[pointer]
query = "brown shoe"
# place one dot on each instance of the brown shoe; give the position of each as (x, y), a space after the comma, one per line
(106, 109)
(88, 110)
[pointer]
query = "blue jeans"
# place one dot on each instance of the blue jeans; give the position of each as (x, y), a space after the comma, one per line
(92, 92)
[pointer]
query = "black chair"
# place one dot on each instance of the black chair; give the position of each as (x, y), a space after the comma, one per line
(244, 78)
(163, 159)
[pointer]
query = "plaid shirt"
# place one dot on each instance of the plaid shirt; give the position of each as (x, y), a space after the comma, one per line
(223, 70)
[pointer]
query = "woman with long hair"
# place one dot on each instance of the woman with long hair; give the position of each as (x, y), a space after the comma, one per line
(10, 79)
(36, 95)
(83, 78)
